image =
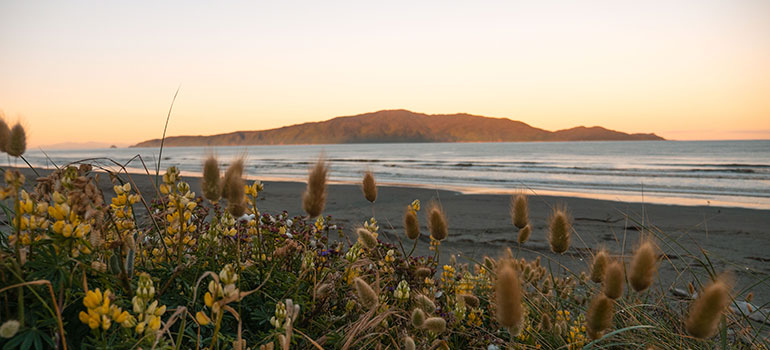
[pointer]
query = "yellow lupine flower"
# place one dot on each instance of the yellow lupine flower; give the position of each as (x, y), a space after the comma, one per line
(154, 323)
(202, 318)
(92, 298)
(208, 299)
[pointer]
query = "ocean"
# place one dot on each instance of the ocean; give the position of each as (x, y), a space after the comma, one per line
(717, 173)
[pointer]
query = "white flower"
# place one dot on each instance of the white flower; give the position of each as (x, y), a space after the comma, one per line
(9, 328)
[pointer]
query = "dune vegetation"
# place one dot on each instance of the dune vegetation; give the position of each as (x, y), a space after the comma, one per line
(206, 269)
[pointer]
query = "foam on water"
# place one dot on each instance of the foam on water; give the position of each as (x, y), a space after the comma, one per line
(731, 173)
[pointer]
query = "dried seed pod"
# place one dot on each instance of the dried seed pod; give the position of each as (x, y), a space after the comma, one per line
(366, 294)
(210, 184)
(425, 303)
(369, 187)
(418, 317)
(411, 224)
(706, 311)
(599, 316)
(644, 266)
(314, 199)
(560, 230)
(435, 324)
(613, 280)
(524, 234)
(519, 210)
(508, 297)
(437, 223)
(17, 142)
(5, 134)
(366, 238)
(599, 266)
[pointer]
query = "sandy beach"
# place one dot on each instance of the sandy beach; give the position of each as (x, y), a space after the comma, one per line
(735, 239)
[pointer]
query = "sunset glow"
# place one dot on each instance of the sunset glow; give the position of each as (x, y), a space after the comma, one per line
(102, 71)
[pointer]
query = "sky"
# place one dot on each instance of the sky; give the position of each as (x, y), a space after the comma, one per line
(106, 71)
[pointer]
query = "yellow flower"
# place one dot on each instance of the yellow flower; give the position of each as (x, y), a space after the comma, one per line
(202, 318)
(92, 299)
(208, 299)
(154, 323)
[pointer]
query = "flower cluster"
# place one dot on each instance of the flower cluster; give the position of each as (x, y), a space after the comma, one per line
(101, 312)
(219, 294)
(146, 307)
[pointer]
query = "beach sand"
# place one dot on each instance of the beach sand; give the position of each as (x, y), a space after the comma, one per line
(735, 239)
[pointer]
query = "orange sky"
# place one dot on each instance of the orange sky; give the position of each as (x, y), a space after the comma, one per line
(106, 72)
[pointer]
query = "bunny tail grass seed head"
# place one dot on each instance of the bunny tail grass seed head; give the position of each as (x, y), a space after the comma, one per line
(233, 189)
(613, 280)
(519, 210)
(437, 222)
(600, 265)
(17, 141)
(210, 184)
(9, 329)
(425, 303)
(233, 185)
(706, 311)
(435, 324)
(366, 238)
(470, 300)
(314, 199)
(559, 230)
(509, 309)
(524, 234)
(409, 343)
(5, 134)
(418, 317)
(369, 187)
(411, 225)
(366, 294)
(644, 266)
(599, 316)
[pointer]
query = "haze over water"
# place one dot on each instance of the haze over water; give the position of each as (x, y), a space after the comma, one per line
(720, 173)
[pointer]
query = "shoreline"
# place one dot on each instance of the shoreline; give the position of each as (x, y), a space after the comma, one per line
(639, 198)
(480, 225)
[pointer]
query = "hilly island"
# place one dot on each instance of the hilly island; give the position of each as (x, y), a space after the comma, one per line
(392, 126)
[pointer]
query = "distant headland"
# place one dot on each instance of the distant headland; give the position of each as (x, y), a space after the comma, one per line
(394, 126)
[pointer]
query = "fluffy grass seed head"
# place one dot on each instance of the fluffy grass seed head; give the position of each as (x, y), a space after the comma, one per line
(509, 309)
(470, 300)
(366, 294)
(599, 316)
(9, 329)
(418, 317)
(5, 134)
(411, 224)
(425, 303)
(559, 230)
(519, 210)
(600, 265)
(437, 222)
(706, 311)
(233, 188)
(435, 324)
(369, 187)
(314, 198)
(366, 238)
(409, 343)
(613, 280)
(210, 184)
(17, 141)
(644, 266)
(524, 234)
